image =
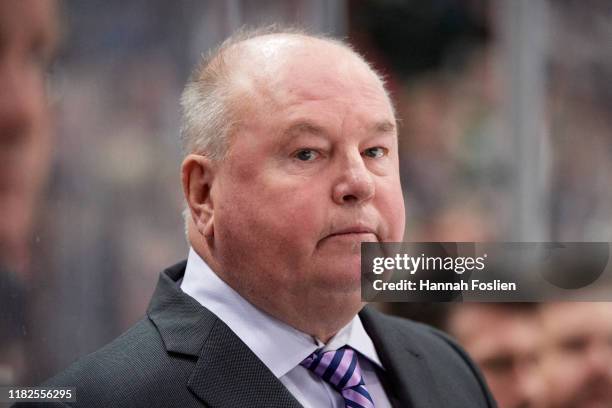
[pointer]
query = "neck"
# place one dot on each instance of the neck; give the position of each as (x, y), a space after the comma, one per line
(308, 310)
(317, 315)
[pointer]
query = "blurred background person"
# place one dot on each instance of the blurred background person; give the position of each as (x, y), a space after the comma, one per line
(505, 341)
(29, 33)
(577, 354)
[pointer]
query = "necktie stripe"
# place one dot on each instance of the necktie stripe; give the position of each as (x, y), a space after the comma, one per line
(333, 366)
(348, 374)
(354, 380)
(308, 361)
(324, 363)
(352, 404)
(340, 368)
(316, 359)
(352, 395)
(362, 390)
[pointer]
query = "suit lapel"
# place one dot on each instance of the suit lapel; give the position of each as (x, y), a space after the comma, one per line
(407, 371)
(227, 373)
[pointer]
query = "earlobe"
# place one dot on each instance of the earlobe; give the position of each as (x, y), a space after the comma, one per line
(208, 229)
(197, 174)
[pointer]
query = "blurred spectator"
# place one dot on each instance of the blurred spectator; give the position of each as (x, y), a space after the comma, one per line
(29, 31)
(577, 354)
(28, 36)
(505, 341)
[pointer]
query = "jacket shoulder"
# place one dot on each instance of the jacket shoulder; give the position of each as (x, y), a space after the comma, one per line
(451, 367)
(431, 340)
(132, 371)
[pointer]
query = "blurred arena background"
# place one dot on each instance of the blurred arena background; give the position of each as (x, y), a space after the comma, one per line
(505, 135)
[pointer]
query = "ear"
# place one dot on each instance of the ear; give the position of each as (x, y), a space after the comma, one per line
(197, 175)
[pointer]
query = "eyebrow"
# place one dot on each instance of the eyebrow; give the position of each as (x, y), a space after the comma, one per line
(307, 127)
(384, 127)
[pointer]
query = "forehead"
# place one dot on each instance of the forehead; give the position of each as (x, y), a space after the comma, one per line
(335, 75)
(310, 72)
(560, 319)
(476, 322)
(496, 333)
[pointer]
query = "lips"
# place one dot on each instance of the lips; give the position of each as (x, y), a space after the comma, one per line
(352, 231)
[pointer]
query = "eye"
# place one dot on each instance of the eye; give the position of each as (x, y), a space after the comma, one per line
(375, 152)
(306, 155)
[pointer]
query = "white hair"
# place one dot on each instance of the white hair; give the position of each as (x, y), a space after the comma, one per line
(206, 102)
(207, 106)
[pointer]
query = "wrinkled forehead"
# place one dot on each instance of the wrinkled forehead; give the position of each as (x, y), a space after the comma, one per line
(280, 68)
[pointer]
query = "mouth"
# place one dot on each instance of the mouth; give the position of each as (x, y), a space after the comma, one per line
(352, 233)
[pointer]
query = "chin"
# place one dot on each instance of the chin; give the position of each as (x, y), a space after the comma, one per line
(345, 280)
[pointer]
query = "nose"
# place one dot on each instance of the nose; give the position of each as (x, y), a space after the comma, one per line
(354, 183)
(527, 389)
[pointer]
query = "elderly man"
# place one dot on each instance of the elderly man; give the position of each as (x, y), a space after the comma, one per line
(292, 162)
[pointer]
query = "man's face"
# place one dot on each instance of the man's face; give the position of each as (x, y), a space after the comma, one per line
(505, 344)
(27, 37)
(578, 354)
(311, 173)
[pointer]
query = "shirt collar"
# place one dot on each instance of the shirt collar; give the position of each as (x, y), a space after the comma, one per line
(279, 346)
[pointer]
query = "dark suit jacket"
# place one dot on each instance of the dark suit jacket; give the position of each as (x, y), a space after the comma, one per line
(182, 355)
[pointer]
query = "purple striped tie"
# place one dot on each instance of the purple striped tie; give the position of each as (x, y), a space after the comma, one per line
(340, 369)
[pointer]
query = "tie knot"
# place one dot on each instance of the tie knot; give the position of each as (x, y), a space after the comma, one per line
(339, 368)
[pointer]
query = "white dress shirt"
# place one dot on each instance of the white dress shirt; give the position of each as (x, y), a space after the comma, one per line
(279, 346)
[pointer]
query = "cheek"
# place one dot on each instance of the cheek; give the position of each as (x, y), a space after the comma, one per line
(275, 211)
(563, 374)
(390, 203)
(269, 229)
